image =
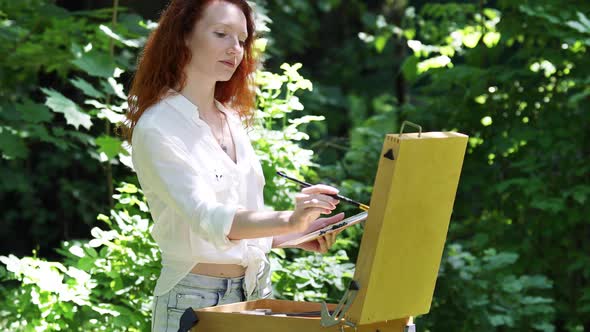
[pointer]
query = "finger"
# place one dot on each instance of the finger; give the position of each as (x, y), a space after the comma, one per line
(323, 222)
(311, 214)
(300, 197)
(323, 244)
(331, 220)
(320, 189)
(330, 239)
(335, 235)
(325, 198)
(316, 203)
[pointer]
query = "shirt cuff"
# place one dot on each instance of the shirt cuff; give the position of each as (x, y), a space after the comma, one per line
(220, 221)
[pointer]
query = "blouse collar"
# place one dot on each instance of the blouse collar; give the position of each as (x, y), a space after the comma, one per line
(191, 111)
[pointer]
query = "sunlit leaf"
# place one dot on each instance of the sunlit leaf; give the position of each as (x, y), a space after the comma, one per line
(127, 42)
(486, 121)
(435, 62)
(471, 39)
(61, 104)
(491, 38)
(381, 41)
(117, 88)
(113, 117)
(583, 25)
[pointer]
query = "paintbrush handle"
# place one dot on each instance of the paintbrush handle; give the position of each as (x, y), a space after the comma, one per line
(339, 197)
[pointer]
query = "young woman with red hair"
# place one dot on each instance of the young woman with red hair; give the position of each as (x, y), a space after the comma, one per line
(190, 96)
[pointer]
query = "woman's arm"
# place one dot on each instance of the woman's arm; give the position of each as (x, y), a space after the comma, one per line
(166, 164)
(309, 205)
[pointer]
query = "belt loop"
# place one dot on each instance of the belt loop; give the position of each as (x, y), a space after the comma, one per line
(227, 287)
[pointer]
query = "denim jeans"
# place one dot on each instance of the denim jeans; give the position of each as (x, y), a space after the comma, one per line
(197, 291)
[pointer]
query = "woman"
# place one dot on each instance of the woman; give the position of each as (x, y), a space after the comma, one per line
(196, 165)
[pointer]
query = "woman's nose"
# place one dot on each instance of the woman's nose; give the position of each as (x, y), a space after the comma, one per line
(234, 47)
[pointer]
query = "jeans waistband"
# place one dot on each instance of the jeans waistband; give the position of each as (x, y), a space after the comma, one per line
(208, 282)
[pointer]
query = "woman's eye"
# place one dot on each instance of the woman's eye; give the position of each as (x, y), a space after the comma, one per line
(220, 34)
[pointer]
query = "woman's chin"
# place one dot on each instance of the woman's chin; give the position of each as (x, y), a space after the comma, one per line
(224, 78)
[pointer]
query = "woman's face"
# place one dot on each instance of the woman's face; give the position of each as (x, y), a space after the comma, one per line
(217, 41)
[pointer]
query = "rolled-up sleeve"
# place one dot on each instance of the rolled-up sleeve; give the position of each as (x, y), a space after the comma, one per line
(165, 166)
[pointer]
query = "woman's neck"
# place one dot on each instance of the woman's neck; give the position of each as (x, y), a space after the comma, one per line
(201, 93)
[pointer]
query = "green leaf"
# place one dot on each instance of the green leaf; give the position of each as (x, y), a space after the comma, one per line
(61, 104)
(491, 39)
(471, 39)
(8, 113)
(580, 193)
(109, 145)
(495, 261)
(86, 87)
(381, 41)
(549, 204)
(12, 146)
(499, 320)
(96, 64)
(410, 68)
(33, 112)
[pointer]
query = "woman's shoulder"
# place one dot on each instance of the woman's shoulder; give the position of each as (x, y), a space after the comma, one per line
(161, 116)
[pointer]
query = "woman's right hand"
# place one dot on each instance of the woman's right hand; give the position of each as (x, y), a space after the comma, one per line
(310, 203)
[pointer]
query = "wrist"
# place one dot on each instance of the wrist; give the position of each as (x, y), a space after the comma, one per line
(288, 222)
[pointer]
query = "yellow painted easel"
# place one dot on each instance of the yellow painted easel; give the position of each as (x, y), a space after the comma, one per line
(400, 252)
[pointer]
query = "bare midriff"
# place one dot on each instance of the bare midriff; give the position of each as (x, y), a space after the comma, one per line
(219, 270)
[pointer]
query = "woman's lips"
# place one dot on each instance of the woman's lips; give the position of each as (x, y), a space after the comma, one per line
(227, 63)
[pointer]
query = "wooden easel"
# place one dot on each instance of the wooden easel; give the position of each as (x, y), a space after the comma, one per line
(400, 252)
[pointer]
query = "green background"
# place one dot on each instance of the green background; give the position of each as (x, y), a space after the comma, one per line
(337, 76)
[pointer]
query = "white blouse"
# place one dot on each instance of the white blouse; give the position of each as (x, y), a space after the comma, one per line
(193, 189)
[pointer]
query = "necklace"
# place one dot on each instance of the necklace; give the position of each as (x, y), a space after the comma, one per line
(221, 140)
(222, 143)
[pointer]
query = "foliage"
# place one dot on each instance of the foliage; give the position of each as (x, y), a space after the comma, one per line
(517, 95)
(275, 135)
(52, 137)
(311, 278)
(104, 283)
(484, 287)
(512, 75)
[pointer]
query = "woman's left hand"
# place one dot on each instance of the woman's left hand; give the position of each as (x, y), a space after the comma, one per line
(321, 244)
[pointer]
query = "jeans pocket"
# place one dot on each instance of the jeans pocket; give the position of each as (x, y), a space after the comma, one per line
(196, 301)
(195, 298)
(185, 297)
(173, 319)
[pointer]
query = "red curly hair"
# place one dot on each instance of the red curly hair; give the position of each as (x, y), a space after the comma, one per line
(165, 55)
